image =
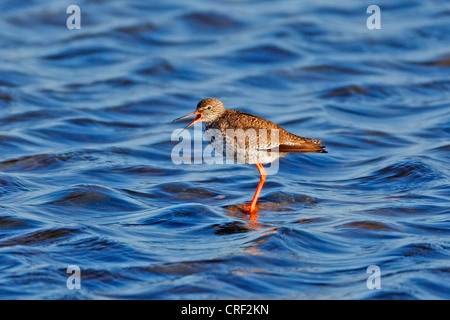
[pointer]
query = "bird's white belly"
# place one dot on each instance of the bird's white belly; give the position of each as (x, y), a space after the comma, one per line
(235, 149)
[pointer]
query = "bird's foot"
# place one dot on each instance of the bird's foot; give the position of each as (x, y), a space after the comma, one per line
(251, 210)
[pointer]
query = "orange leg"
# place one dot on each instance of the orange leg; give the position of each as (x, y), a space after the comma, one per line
(252, 205)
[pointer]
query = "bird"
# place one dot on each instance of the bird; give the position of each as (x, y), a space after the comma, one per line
(247, 138)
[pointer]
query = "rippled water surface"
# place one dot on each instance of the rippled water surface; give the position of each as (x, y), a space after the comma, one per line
(86, 176)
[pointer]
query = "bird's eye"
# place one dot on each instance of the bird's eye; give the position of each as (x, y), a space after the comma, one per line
(209, 107)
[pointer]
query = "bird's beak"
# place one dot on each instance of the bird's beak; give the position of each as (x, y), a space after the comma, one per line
(197, 119)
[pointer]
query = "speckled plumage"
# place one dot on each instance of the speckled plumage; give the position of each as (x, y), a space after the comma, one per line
(252, 139)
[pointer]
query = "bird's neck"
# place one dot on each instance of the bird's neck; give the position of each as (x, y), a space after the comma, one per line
(211, 123)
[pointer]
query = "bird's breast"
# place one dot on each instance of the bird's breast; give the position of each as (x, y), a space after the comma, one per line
(243, 145)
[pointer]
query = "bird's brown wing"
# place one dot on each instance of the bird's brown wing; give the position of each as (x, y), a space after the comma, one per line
(246, 120)
(287, 142)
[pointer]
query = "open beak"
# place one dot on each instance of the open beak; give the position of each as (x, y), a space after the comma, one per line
(197, 119)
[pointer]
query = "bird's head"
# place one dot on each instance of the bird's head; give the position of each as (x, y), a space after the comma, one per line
(208, 110)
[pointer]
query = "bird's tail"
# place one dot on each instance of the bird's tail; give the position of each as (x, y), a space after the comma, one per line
(304, 148)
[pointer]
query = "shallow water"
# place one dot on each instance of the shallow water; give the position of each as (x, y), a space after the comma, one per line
(86, 176)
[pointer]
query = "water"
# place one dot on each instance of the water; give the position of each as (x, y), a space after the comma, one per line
(86, 176)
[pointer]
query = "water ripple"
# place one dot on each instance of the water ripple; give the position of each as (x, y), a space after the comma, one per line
(86, 176)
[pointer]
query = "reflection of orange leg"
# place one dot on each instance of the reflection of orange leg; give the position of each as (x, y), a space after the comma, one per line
(252, 205)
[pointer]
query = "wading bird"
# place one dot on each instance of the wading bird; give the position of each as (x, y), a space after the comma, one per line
(247, 138)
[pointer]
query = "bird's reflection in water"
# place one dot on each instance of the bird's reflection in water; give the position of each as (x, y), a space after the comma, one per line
(239, 212)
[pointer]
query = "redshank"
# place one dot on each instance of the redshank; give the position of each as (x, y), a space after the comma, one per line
(247, 138)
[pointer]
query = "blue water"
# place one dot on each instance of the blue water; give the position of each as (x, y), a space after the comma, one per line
(87, 179)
